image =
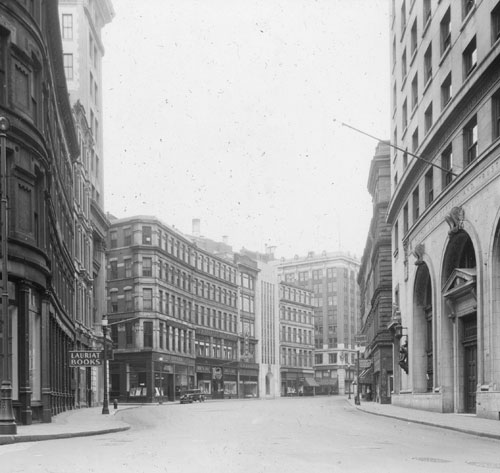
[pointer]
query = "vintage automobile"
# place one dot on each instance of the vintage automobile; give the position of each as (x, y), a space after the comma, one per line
(191, 395)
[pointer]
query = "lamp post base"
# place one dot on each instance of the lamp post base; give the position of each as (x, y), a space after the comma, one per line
(7, 420)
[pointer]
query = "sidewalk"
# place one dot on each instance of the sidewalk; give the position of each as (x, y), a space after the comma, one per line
(75, 423)
(466, 423)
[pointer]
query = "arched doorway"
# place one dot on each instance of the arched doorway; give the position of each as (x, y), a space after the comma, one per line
(423, 332)
(269, 384)
(459, 291)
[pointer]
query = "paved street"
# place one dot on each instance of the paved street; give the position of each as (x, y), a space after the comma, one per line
(322, 434)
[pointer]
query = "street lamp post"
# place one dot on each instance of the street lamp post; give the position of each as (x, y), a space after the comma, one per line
(105, 403)
(7, 419)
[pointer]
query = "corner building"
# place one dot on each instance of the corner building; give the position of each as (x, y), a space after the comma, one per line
(172, 309)
(445, 220)
(41, 149)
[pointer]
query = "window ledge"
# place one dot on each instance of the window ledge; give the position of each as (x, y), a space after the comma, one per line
(444, 55)
(426, 26)
(427, 84)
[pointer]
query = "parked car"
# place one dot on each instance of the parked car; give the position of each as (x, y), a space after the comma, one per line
(192, 395)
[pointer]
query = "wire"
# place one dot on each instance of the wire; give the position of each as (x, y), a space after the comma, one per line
(398, 148)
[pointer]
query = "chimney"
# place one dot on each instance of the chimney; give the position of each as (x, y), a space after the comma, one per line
(196, 227)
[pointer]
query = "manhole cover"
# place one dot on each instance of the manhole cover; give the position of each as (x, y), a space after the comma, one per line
(431, 460)
(485, 465)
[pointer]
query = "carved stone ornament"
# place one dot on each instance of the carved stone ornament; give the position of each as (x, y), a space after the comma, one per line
(455, 219)
(418, 252)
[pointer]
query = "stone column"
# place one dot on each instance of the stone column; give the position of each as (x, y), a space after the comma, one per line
(44, 349)
(23, 368)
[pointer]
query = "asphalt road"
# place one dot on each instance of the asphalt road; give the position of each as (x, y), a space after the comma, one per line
(321, 434)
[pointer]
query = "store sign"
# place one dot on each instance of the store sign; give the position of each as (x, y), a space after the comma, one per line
(78, 359)
(202, 369)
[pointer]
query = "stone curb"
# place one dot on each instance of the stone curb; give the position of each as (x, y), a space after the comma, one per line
(477, 433)
(10, 439)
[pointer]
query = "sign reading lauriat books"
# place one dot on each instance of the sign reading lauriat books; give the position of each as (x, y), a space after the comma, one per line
(85, 358)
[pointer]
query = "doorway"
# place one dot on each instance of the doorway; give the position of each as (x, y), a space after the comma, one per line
(470, 362)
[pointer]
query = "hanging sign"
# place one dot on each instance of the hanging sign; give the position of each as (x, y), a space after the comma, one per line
(78, 359)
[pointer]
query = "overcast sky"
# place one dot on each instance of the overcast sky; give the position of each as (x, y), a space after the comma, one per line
(224, 110)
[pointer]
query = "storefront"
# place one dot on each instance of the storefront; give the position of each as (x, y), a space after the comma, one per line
(149, 377)
(230, 382)
(248, 380)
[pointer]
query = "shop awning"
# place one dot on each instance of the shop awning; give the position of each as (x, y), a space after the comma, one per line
(310, 382)
(366, 376)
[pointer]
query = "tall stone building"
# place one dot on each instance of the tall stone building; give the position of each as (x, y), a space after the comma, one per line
(81, 25)
(444, 209)
(375, 282)
(332, 277)
(41, 150)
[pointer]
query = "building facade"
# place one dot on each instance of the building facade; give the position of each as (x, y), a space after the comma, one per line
(296, 340)
(41, 149)
(81, 24)
(173, 313)
(375, 283)
(445, 220)
(332, 277)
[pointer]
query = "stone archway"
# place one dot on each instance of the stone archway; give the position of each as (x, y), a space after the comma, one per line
(423, 332)
(459, 292)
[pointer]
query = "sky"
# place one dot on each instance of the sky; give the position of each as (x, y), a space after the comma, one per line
(231, 111)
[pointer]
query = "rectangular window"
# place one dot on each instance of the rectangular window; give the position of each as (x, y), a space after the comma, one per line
(447, 165)
(403, 64)
(114, 301)
(413, 39)
(113, 239)
(414, 92)
(470, 141)
(428, 64)
(404, 115)
(148, 334)
(68, 66)
(128, 300)
(3, 67)
(129, 334)
(470, 57)
(147, 267)
(414, 141)
(67, 26)
(495, 108)
(467, 6)
(396, 238)
(127, 236)
(405, 219)
(318, 358)
(147, 299)
(428, 118)
(403, 17)
(113, 269)
(446, 91)
(495, 23)
(429, 187)
(128, 268)
(427, 11)
(445, 29)
(416, 206)
(146, 235)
